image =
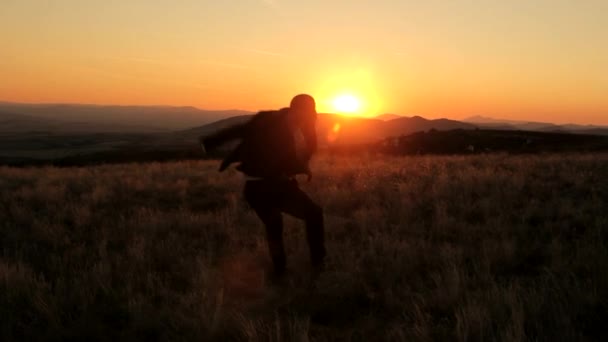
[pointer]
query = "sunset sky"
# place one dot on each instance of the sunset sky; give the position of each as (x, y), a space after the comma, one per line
(544, 60)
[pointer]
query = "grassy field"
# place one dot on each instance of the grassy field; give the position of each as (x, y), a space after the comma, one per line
(464, 248)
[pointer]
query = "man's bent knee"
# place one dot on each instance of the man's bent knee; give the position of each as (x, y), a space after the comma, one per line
(252, 194)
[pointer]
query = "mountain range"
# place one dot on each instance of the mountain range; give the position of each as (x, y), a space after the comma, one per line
(514, 125)
(20, 117)
(72, 118)
(54, 131)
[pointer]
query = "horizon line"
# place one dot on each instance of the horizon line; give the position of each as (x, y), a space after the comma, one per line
(469, 116)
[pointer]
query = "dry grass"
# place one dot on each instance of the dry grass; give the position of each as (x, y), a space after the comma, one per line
(490, 247)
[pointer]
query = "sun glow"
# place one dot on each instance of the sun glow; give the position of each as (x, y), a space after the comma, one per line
(350, 90)
(347, 104)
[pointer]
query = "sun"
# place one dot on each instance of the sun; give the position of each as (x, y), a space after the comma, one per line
(347, 104)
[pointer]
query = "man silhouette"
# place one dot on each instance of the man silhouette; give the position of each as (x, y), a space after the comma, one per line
(271, 154)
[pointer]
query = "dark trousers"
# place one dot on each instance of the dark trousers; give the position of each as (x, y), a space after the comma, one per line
(269, 199)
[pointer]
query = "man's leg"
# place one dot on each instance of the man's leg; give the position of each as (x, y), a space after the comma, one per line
(298, 204)
(259, 197)
(274, 236)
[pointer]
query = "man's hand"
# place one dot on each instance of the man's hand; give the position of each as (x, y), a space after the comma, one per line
(201, 141)
(308, 175)
(304, 169)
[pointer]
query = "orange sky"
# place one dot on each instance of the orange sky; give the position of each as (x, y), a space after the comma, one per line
(544, 60)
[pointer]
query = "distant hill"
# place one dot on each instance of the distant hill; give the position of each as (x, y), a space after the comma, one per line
(123, 118)
(501, 124)
(486, 141)
(478, 119)
(215, 126)
(387, 117)
(11, 124)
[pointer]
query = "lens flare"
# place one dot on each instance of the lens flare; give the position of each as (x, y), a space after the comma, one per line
(334, 133)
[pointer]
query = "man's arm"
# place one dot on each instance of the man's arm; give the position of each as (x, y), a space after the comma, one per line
(221, 137)
(310, 136)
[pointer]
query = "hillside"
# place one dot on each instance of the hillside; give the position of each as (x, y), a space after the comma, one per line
(485, 141)
(122, 118)
(28, 140)
(501, 124)
(23, 124)
(77, 148)
(388, 116)
(420, 248)
(17, 123)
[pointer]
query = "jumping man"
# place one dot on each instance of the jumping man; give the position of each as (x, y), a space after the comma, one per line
(270, 156)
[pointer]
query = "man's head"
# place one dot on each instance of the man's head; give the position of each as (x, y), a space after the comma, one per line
(302, 110)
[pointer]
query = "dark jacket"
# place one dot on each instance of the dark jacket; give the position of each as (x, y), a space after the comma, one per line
(267, 148)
